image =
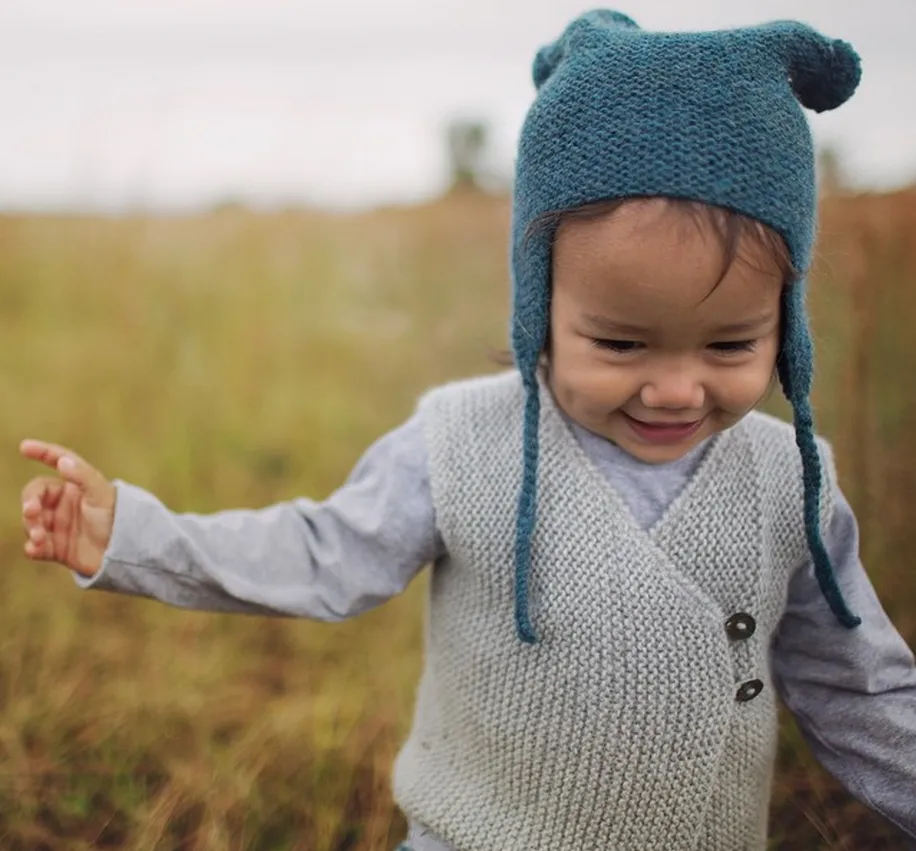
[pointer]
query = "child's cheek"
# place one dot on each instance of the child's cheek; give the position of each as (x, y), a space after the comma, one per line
(599, 386)
(745, 388)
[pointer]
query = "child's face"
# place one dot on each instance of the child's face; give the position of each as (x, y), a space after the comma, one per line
(640, 339)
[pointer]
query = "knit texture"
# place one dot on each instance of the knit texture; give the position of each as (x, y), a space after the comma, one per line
(714, 117)
(620, 728)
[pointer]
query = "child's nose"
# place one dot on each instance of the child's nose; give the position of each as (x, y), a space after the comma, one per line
(674, 388)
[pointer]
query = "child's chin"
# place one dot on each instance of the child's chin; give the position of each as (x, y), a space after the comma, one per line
(658, 453)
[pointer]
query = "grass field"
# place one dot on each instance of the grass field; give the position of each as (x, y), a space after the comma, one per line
(233, 360)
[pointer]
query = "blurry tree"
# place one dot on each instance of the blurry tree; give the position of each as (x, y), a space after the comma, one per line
(467, 140)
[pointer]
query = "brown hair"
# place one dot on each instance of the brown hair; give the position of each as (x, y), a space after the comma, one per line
(729, 226)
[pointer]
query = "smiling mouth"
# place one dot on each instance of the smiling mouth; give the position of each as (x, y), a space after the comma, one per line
(663, 432)
(679, 424)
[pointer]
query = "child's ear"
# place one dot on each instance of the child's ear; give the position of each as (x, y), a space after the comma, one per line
(824, 72)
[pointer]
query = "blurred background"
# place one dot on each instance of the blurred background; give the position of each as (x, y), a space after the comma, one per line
(237, 240)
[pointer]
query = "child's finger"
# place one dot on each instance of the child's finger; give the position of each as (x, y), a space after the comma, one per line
(46, 453)
(40, 498)
(96, 487)
(39, 551)
(39, 493)
(70, 465)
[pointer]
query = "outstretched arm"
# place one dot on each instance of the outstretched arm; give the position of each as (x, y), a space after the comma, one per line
(323, 560)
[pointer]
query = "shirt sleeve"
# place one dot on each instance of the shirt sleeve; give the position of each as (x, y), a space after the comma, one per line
(322, 560)
(852, 692)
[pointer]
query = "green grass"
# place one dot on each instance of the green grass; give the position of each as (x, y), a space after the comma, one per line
(235, 360)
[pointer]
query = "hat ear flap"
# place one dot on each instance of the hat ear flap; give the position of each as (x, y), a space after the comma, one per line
(549, 57)
(824, 72)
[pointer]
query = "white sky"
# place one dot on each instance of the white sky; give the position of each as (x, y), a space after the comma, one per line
(114, 104)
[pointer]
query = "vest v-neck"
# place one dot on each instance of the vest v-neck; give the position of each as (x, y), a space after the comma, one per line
(647, 489)
(647, 494)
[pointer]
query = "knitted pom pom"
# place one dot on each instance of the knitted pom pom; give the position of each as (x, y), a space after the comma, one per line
(826, 78)
(545, 63)
(824, 72)
(548, 58)
(609, 19)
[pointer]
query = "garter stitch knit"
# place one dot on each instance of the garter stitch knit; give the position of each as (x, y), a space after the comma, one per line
(620, 728)
(714, 117)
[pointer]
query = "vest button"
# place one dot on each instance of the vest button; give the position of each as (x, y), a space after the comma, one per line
(749, 690)
(740, 626)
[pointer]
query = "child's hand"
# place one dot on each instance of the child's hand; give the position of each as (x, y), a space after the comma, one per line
(68, 519)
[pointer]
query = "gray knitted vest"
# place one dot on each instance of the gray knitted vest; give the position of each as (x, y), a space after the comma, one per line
(632, 724)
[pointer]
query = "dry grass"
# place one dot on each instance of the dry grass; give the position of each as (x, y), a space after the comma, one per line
(234, 360)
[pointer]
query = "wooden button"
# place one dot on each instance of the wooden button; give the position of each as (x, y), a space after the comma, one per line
(740, 626)
(749, 690)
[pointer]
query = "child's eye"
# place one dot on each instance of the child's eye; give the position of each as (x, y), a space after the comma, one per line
(621, 347)
(734, 346)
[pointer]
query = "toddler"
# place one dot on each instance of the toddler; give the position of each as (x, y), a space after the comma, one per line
(629, 562)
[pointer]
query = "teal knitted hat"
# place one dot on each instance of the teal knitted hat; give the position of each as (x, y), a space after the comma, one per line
(714, 117)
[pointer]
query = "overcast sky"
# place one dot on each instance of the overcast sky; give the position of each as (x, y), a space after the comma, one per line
(114, 104)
